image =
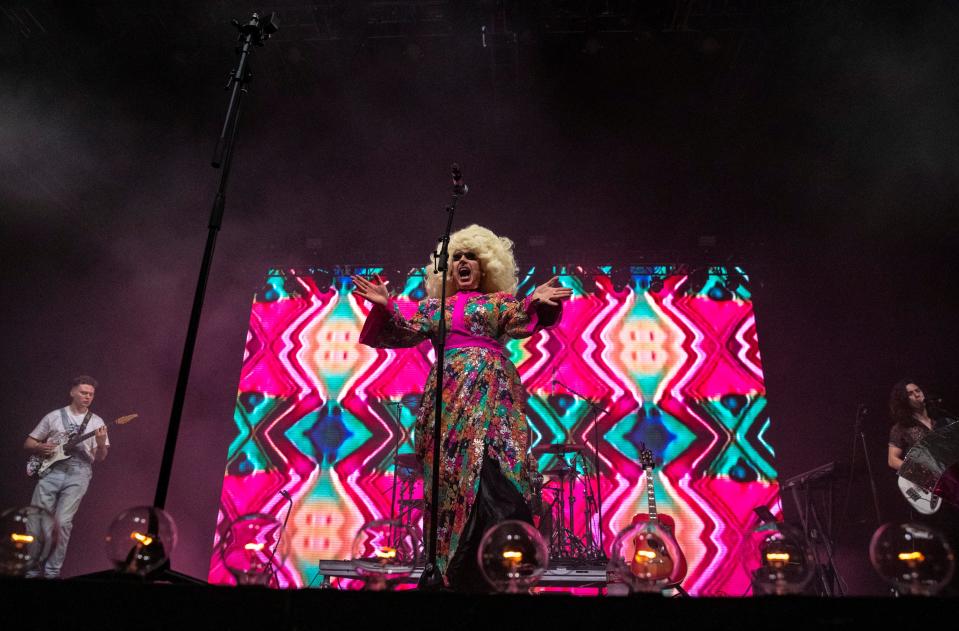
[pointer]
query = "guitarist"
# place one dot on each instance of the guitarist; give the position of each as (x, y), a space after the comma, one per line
(913, 419)
(66, 482)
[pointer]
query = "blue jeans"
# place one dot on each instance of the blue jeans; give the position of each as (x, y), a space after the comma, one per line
(60, 492)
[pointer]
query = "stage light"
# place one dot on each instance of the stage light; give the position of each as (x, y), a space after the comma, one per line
(383, 551)
(26, 539)
(513, 556)
(644, 558)
(140, 540)
(915, 559)
(785, 563)
(247, 548)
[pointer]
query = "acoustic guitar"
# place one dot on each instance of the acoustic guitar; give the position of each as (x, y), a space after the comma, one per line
(652, 557)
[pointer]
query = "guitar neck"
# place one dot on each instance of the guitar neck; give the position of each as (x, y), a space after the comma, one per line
(79, 439)
(651, 494)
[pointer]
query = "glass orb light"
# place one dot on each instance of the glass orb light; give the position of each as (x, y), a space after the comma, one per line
(140, 540)
(645, 557)
(27, 538)
(916, 559)
(786, 564)
(247, 548)
(384, 551)
(513, 556)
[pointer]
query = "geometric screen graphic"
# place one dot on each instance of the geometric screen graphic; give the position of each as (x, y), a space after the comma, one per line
(646, 355)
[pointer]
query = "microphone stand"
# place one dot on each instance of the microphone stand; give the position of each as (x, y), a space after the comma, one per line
(599, 486)
(253, 33)
(289, 509)
(431, 577)
(859, 438)
(860, 414)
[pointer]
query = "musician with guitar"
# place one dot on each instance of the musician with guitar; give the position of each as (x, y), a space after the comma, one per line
(923, 450)
(911, 420)
(63, 483)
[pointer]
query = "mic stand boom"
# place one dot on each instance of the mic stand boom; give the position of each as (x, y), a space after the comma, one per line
(431, 578)
(253, 33)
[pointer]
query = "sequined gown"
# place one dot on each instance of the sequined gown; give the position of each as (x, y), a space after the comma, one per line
(483, 399)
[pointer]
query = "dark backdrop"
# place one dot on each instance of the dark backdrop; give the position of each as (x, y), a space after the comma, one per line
(814, 142)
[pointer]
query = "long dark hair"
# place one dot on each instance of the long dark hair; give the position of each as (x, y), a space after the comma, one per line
(900, 411)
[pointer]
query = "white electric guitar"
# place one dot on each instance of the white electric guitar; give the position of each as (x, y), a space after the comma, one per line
(39, 466)
(921, 500)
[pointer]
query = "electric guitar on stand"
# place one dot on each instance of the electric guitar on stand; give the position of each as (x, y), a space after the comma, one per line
(38, 466)
(666, 567)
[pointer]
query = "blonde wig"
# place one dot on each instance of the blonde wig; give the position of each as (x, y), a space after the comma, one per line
(495, 254)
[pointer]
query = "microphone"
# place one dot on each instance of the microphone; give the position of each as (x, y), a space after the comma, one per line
(459, 188)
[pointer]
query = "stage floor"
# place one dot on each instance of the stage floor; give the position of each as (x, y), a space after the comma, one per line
(131, 605)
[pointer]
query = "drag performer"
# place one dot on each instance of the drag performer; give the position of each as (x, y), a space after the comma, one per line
(485, 463)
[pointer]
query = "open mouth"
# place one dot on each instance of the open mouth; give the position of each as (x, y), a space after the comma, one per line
(464, 272)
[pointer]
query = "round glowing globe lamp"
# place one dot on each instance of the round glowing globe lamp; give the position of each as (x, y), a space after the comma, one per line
(140, 540)
(513, 556)
(383, 552)
(915, 559)
(27, 537)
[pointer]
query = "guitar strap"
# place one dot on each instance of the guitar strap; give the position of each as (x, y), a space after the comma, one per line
(69, 425)
(86, 419)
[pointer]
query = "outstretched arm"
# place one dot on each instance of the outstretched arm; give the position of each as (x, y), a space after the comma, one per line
(540, 310)
(550, 293)
(377, 293)
(385, 326)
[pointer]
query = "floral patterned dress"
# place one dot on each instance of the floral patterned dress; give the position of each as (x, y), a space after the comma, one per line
(483, 398)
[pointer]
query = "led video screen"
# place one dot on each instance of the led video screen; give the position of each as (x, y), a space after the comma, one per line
(645, 355)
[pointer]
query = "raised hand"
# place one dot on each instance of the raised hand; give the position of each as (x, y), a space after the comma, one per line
(377, 293)
(550, 292)
(101, 436)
